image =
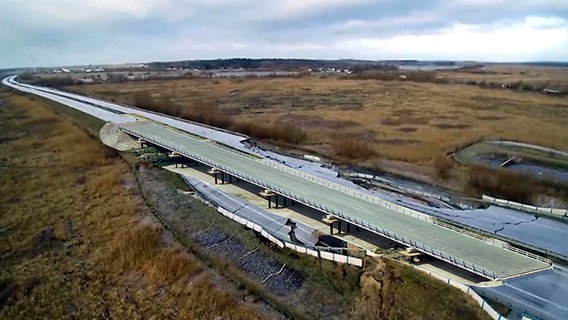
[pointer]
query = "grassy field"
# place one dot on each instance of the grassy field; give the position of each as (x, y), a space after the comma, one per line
(541, 77)
(407, 121)
(76, 239)
(79, 238)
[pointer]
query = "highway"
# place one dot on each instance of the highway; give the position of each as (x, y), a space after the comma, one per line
(541, 235)
(467, 252)
(473, 254)
(117, 113)
(543, 298)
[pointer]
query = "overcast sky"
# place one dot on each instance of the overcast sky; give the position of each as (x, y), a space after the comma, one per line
(68, 32)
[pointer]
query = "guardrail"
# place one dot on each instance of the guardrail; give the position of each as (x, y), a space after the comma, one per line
(500, 244)
(350, 191)
(239, 152)
(398, 187)
(470, 266)
(559, 213)
(528, 146)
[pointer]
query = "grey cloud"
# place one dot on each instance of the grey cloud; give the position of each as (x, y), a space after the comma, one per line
(58, 32)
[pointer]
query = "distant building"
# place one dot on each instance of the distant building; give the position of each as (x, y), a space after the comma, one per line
(86, 80)
(551, 91)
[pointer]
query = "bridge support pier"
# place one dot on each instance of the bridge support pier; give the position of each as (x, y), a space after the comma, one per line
(269, 195)
(270, 201)
(191, 163)
(274, 199)
(182, 162)
(330, 221)
(228, 179)
(338, 227)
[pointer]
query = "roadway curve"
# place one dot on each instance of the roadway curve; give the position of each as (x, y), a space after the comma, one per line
(530, 293)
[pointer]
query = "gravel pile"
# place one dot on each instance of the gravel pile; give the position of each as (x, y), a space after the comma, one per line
(253, 263)
(285, 283)
(259, 266)
(211, 237)
(231, 249)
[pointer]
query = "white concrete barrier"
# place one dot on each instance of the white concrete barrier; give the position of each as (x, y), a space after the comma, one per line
(559, 213)
(282, 244)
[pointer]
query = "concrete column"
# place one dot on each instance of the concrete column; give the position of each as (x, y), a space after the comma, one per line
(338, 226)
(331, 228)
(215, 175)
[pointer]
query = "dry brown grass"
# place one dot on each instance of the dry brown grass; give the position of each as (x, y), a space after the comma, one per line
(131, 248)
(443, 165)
(208, 112)
(352, 149)
(276, 132)
(205, 301)
(107, 182)
(503, 74)
(406, 121)
(76, 238)
(170, 266)
(390, 290)
(503, 183)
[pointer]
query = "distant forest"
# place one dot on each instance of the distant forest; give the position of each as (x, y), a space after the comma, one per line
(272, 64)
(277, 64)
(557, 64)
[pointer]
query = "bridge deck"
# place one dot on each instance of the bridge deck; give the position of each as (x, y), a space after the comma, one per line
(467, 252)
